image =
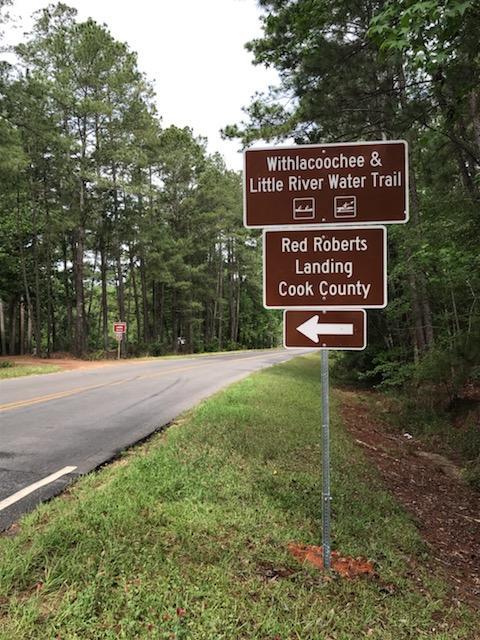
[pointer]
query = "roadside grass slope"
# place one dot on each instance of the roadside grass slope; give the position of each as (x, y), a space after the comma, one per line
(14, 370)
(186, 536)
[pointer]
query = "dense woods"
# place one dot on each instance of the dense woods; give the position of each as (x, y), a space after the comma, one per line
(375, 70)
(397, 69)
(107, 216)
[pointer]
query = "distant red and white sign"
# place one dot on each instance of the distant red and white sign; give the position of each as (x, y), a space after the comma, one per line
(119, 327)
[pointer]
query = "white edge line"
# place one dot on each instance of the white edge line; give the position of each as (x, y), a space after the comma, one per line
(33, 487)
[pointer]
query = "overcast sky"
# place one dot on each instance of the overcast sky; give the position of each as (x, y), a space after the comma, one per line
(193, 52)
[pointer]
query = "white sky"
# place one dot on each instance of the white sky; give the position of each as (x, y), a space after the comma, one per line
(193, 52)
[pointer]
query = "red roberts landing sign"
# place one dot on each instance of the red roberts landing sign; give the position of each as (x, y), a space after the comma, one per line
(342, 268)
(343, 184)
(345, 330)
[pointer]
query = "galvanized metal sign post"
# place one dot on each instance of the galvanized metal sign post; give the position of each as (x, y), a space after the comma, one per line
(328, 330)
(325, 274)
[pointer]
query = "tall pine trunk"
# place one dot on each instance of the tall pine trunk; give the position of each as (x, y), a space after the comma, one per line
(67, 297)
(104, 296)
(136, 301)
(3, 337)
(143, 281)
(422, 315)
(13, 327)
(79, 250)
(22, 328)
(78, 253)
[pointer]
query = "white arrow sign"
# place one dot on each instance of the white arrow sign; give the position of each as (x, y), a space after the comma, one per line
(313, 328)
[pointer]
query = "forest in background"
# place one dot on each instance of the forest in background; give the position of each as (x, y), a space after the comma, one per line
(389, 70)
(376, 70)
(107, 216)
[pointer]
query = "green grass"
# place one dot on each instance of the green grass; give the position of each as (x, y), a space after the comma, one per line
(186, 537)
(18, 370)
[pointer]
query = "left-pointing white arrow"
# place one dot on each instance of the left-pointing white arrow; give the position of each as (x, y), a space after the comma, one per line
(313, 328)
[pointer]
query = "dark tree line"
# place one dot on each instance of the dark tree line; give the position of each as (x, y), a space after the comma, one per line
(394, 69)
(107, 216)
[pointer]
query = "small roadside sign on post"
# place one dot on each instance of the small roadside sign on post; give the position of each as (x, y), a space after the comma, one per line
(349, 183)
(119, 329)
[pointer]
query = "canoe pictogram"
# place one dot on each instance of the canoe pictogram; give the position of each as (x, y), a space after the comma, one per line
(303, 208)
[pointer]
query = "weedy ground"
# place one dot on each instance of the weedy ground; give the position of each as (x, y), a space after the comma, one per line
(14, 370)
(186, 537)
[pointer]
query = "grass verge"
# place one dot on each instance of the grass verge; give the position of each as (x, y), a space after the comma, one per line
(186, 537)
(18, 370)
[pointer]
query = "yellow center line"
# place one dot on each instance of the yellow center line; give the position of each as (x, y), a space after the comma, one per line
(52, 396)
(196, 366)
(164, 373)
(9, 406)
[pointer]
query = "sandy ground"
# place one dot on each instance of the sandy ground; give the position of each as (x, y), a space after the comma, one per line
(67, 363)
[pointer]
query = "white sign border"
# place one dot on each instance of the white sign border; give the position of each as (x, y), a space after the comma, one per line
(316, 305)
(321, 310)
(326, 225)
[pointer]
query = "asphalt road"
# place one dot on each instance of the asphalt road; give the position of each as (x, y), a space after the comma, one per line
(55, 427)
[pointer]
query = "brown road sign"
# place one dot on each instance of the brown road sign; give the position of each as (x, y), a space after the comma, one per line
(345, 330)
(342, 268)
(343, 184)
(119, 327)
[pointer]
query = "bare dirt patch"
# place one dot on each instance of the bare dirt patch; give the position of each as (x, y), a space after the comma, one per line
(445, 509)
(346, 566)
